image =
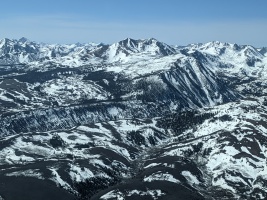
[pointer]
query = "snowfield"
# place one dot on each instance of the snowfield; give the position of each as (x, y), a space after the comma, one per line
(134, 119)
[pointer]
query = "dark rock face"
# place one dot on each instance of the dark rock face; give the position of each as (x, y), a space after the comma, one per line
(135, 119)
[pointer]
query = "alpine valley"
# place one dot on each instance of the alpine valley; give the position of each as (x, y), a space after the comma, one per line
(138, 119)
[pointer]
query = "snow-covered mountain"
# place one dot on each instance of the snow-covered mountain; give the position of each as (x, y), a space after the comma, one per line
(133, 119)
(27, 52)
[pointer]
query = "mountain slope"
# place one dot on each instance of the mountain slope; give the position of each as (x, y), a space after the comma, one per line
(218, 153)
(134, 119)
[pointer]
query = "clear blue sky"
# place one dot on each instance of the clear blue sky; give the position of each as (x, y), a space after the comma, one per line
(172, 21)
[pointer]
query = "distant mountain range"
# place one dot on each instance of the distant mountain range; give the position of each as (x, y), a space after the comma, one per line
(137, 119)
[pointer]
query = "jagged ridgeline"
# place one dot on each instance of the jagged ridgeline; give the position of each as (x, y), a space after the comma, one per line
(137, 119)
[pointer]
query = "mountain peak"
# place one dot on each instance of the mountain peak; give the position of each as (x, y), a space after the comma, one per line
(263, 50)
(4, 42)
(216, 44)
(127, 41)
(23, 40)
(152, 39)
